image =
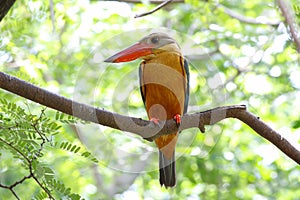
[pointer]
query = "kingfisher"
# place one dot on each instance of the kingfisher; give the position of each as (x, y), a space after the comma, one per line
(164, 87)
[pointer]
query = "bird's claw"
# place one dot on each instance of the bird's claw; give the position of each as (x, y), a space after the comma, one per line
(177, 119)
(155, 121)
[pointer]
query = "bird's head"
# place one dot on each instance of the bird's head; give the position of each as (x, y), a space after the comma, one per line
(147, 48)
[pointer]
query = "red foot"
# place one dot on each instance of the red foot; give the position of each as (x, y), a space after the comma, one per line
(155, 120)
(177, 119)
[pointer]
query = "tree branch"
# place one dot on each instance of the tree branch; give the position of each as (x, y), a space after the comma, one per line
(146, 129)
(245, 19)
(154, 10)
(288, 14)
(5, 5)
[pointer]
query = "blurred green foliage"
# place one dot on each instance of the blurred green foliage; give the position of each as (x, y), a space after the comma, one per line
(232, 62)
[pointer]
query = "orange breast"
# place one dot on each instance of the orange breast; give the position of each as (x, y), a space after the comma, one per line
(163, 87)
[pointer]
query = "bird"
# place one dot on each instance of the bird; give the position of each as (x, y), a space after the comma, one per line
(164, 87)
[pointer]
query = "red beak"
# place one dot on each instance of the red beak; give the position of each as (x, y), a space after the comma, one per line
(131, 53)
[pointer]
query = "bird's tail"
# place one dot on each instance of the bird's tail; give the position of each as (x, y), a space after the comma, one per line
(167, 172)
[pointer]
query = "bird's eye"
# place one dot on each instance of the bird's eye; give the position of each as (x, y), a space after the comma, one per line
(154, 40)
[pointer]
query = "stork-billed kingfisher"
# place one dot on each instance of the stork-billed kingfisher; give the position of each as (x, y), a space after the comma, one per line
(164, 86)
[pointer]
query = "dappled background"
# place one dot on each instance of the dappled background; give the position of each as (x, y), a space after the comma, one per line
(240, 52)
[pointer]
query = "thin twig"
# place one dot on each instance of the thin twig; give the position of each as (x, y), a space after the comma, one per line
(154, 10)
(29, 162)
(287, 12)
(150, 1)
(11, 187)
(245, 19)
(52, 15)
(17, 150)
(39, 183)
